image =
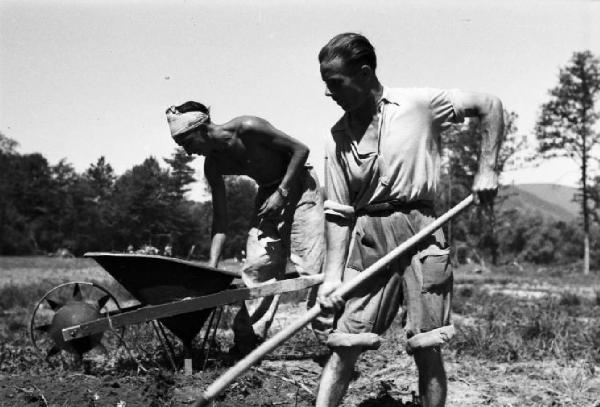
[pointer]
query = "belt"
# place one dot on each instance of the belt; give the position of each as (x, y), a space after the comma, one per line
(393, 206)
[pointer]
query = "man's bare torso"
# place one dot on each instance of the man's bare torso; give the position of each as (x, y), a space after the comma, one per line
(246, 155)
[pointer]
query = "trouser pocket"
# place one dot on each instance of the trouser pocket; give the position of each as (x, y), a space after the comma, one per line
(426, 285)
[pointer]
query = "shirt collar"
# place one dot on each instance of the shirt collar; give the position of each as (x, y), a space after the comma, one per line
(388, 97)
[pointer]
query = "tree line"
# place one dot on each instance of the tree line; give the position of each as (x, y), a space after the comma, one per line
(46, 207)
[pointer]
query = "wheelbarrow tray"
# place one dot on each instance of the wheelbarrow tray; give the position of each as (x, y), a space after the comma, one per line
(199, 306)
(154, 280)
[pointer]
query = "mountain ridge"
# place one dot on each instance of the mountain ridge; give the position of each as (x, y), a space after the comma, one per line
(550, 200)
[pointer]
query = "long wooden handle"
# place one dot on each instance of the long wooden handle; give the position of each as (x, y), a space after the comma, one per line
(253, 357)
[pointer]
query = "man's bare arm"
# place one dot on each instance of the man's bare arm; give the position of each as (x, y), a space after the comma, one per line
(264, 132)
(490, 112)
(338, 239)
(337, 232)
(219, 204)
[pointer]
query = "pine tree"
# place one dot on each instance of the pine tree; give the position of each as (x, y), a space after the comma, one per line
(101, 178)
(185, 227)
(566, 125)
(182, 174)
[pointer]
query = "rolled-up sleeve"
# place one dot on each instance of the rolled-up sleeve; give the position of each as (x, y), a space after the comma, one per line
(446, 107)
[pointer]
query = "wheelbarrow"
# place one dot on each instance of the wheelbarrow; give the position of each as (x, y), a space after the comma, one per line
(180, 294)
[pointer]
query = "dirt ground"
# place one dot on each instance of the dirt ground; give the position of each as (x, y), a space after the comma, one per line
(384, 378)
(139, 374)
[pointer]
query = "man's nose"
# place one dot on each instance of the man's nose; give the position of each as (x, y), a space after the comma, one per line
(327, 91)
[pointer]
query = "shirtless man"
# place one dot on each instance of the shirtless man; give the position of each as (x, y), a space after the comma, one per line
(288, 221)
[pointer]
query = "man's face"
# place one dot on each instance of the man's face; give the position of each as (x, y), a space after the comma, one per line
(195, 141)
(347, 87)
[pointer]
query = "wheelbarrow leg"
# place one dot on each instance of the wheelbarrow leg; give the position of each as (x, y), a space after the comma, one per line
(164, 334)
(212, 339)
(207, 332)
(164, 341)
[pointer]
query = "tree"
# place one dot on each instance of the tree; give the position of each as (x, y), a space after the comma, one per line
(566, 125)
(62, 216)
(8, 145)
(101, 178)
(186, 226)
(25, 184)
(182, 174)
(91, 195)
(201, 215)
(13, 236)
(462, 144)
(241, 192)
(141, 204)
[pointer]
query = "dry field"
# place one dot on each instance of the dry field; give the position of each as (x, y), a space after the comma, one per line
(525, 338)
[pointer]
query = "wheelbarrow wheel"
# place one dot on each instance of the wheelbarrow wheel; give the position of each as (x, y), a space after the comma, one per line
(66, 305)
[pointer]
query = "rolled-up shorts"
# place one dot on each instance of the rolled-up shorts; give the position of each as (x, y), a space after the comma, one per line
(418, 283)
(299, 234)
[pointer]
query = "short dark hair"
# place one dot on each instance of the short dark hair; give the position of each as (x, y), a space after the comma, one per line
(192, 106)
(354, 49)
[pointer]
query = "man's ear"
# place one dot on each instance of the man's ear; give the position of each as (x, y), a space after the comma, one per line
(366, 72)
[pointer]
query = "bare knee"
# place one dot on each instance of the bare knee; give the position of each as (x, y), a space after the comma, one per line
(336, 376)
(262, 270)
(340, 364)
(347, 354)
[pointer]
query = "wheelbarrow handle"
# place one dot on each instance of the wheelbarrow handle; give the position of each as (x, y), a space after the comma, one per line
(257, 354)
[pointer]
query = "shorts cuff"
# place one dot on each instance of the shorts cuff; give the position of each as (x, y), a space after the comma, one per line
(367, 341)
(436, 337)
(337, 209)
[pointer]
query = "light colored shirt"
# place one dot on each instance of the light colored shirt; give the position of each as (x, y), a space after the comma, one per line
(403, 163)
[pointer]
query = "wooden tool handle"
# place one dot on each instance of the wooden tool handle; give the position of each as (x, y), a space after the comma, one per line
(229, 376)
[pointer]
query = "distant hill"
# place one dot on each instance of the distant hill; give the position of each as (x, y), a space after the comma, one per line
(550, 200)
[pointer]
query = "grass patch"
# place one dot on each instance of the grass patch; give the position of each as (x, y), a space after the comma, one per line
(15, 296)
(509, 329)
(17, 271)
(21, 296)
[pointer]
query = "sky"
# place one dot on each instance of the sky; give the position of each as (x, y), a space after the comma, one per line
(81, 79)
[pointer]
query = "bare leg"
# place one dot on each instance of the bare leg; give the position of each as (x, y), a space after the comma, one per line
(265, 261)
(252, 322)
(244, 339)
(432, 377)
(262, 312)
(336, 376)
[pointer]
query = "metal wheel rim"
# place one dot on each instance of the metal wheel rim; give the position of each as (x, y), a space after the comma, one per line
(37, 306)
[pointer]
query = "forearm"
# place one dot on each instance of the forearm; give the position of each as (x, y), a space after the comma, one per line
(492, 131)
(338, 238)
(219, 225)
(295, 166)
(216, 248)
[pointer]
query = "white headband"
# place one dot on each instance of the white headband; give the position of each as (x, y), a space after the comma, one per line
(180, 123)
